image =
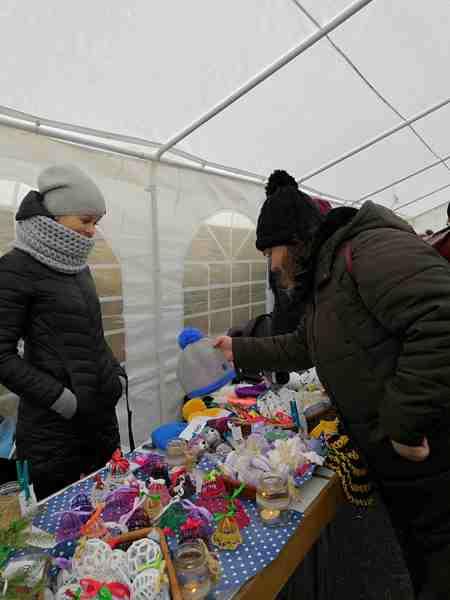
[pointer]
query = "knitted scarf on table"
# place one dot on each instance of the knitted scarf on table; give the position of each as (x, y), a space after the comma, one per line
(53, 244)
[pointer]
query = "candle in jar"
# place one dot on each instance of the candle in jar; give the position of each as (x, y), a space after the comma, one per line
(195, 590)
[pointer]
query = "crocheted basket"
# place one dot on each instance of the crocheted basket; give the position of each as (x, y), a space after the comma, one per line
(127, 538)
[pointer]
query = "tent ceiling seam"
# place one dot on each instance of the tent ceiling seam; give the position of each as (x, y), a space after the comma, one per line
(263, 75)
(401, 180)
(370, 85)
(435, 191)
(430, 210)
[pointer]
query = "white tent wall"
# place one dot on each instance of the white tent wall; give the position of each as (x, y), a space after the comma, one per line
(186, 199)
(146, 250)
(435, 219)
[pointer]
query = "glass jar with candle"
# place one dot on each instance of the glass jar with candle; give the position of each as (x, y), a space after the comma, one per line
(191, 565)
(177, 453)
(272, 498)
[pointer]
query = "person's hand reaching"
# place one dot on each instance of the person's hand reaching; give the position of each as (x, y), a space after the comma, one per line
(225, 343)
(414, 453)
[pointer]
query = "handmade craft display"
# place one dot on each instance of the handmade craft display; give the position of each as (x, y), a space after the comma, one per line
(197, 569)
(23, 576)
(273, 500)
(98, 571)
(118, 470)
(260, 454)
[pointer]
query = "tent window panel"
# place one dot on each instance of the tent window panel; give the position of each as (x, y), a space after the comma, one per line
(204, 247)
(195, 276)
(112, 308)
(258, 292)
(112, 323)
(259, 271)
(102, 253)
(241, 272)
(248, 250)
(238, 237)
(220, 322)
(108, 282)
(223, 237)
(219, 274)
(240, 295)
(116, 342)
(195, 302)
(220, 298)
(257, 309)
(6, 230)
(240, 316)
(197, 322)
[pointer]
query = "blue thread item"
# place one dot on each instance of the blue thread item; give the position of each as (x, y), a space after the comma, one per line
(162, 435)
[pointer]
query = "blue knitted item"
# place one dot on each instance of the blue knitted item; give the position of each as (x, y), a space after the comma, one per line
(189, 335)
(165, 433)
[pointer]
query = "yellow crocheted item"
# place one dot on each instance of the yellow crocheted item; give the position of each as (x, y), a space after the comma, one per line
(191, 406)
(325, 427)
(208, 412)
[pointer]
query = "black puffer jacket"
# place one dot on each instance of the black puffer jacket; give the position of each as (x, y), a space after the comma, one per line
(58, 316)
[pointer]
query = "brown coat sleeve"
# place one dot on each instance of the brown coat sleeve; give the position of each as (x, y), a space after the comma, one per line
(406, 285)
(279, 353)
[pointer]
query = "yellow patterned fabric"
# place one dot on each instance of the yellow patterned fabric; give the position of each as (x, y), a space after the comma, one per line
(344, 458)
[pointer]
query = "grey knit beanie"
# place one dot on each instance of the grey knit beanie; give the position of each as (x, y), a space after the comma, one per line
(69, 191)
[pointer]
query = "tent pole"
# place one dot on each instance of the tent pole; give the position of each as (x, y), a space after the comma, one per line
(429, 210)
(439, 189)
(157, 290)
(402, 179)
(81, 139)
(346, 14)
(120, 138)
(374, 140)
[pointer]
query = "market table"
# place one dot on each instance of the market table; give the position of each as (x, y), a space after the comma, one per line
(322, 496)
(278, 553)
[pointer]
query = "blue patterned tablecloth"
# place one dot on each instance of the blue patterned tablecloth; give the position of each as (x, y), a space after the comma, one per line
(261, 544)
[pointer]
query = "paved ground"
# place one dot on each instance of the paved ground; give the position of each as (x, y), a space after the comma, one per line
(357, 558)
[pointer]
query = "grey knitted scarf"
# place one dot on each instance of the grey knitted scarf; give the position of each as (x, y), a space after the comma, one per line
(53, 244)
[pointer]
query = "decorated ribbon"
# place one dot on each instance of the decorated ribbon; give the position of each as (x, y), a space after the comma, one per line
(232, 506)
(118, 463)
(91, 588)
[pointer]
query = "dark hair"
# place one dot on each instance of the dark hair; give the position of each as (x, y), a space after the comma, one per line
(278, 179)
(448, 210)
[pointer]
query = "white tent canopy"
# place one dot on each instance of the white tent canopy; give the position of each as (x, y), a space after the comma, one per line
(354, 100)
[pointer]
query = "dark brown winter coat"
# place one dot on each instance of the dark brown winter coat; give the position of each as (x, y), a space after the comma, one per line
(379, 338)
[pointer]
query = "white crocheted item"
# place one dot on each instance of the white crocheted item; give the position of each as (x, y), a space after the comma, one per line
(142, 554)
(92, 560)
(147, 585)
(118, 567)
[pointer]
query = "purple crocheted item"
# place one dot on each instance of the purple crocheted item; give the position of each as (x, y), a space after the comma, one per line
(138, 520)
(70, 525)
(118, 503)
(245, 391)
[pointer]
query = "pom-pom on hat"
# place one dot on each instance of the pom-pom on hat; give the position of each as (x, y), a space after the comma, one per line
(202, 368)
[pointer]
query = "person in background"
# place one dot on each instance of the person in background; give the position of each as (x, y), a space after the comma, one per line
(377, 328)
(68, 380)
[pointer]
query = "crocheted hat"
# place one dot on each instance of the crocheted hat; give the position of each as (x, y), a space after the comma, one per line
(69, 191)
(201, 367)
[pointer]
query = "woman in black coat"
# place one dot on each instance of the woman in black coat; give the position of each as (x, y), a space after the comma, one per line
(68, 380)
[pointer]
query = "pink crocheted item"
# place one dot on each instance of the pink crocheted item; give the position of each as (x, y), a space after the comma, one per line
(222, 505)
